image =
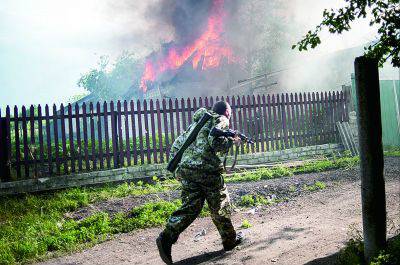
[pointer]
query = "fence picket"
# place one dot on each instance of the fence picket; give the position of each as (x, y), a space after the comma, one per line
(127, 140)
(166, 129)
(85, 137)
(153, 132)
(63, 140)
(78, 137)
(32, 148)
(140, 130)
(99, 135)
(120, 138)
(71, 138)
(106, 135)
(55, 133)
(93, 155)
(183, 113)
(17, 144)
(146, 128)
(171, 120)
(48, 140)
(240, 115)
(159, 131)
(133, 125)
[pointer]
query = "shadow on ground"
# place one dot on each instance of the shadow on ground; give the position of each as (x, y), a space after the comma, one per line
(201, 258)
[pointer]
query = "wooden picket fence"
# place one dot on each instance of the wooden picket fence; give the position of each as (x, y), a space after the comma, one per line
(38, 142)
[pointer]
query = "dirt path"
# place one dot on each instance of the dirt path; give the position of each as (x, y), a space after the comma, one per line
(303, 230)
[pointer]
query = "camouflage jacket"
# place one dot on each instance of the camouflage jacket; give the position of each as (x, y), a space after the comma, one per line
(201, 157)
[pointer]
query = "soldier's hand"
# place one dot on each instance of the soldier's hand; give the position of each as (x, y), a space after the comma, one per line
(237, 140)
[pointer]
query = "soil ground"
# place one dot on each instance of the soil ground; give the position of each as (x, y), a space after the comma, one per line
(307, 228)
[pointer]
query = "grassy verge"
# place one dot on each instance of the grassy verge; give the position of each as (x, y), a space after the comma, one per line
(281, 171)
(353, 253)
(34, 227)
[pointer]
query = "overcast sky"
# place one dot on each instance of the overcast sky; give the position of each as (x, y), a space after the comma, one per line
(46, 44)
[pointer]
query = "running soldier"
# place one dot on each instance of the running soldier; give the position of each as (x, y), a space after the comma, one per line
(200, 173)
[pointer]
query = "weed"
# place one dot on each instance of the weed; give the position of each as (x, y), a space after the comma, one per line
(246, 224)
(318, 185)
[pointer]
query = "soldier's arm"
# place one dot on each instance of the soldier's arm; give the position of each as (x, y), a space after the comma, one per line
(220, 144)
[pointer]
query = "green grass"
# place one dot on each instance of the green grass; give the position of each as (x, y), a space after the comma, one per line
(281, 171)
(318, 185)
(33, 225)
(391, 151)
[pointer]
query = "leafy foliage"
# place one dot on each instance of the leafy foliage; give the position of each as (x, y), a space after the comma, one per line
(109, 84)
(384, 13)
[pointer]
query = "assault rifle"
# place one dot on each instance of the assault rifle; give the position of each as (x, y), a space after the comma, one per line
(230, 133)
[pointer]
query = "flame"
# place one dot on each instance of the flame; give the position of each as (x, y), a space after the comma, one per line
(210, 46)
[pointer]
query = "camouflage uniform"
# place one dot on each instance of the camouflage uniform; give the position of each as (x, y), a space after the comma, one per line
(200, 172)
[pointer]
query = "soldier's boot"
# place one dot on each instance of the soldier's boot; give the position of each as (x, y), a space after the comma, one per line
(229, 245)
(164, 248)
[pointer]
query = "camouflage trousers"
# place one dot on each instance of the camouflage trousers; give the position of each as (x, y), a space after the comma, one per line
(194, 194)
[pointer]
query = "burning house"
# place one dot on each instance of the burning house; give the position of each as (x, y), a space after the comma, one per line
(199, 61)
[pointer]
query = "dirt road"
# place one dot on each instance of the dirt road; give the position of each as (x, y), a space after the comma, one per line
(305, 230)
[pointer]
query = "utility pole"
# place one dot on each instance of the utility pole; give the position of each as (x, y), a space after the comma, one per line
(371, 156)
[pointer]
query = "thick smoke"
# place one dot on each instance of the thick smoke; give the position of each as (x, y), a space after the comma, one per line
(187, 18)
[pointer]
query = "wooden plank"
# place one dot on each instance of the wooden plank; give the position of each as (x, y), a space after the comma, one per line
(133, 125)
(63, 140)
(271, 123)
(200, 102)
(32, 140)
(183, 113)
(93, 155)
(114, 136)
(153, 132)
(206, 104)
(211, 102)
(106, 135)
(178, 122)
(159, 131)
(245, 121)
(140, 129)
(171, 120)
(284, 104)
(251, 122)
(120, 140)
(48, 139)
(301, 120)
(146, 129)
(56, 146)
(256, 124)
(166, 129)
(306, 121)
(297, 120)
(78, 137)
(5, 146)
(189, 111)
(332, 136)
(71, 137)
(318, 119)
(275, 106)
(17, 144)
(100, 135)
(293, 135)
(261, 126)
(25, 142)
(85, 137)
(265, 121)
(241, 128)
(127, 140)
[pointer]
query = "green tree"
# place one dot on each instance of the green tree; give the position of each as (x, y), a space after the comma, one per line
(110, 82)
(383, 13)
